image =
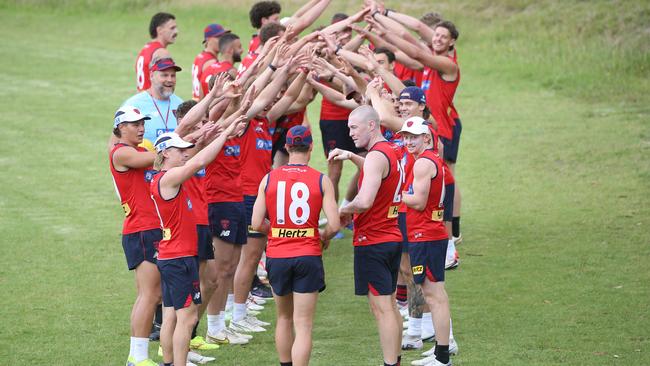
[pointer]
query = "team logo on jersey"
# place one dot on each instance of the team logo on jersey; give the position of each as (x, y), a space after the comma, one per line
(232, 150)
(292, 233)
(148, 175)
(225, 224)
(418, 270)
(262, 144)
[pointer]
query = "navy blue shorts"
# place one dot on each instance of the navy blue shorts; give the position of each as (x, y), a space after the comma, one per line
(206, 250)
(401, 223)
(281, 132)
(228, 221)
(428, 260)
(179, 278)
(448, 202)
(376, 267)
(451, 147)
(249, 202)
(141, 246)
(336, 134)
(304, 274)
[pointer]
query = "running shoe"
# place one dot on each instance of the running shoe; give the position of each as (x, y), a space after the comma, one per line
(251, 305)
(198, 358)
(411, 342)
(246, 326)
(428, 336)
(453, 348)
(452, 260)
(147, 362)
(226, 336)
(256, 321)
(200, 344)
(262, 291)
(155, 332)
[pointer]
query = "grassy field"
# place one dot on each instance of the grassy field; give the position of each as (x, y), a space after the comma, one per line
(554, 167)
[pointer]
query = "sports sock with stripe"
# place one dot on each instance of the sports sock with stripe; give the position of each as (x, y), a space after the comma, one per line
(401, 294)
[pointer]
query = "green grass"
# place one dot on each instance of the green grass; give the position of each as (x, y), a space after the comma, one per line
(554, 168)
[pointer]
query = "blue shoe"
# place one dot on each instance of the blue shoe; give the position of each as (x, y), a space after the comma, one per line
(339, 236)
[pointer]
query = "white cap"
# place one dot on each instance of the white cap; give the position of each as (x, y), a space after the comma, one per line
(415, 126)
(128, 113)
(171, 139)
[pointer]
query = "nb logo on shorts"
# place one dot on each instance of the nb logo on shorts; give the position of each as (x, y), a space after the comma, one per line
(418, 270)
(292, 233)
(225, 233)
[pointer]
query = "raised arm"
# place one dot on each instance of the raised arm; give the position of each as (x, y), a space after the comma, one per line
(280, 108)
(387, 116)
(308, 15)
(269, 93)
(332, 95)
(425, 32)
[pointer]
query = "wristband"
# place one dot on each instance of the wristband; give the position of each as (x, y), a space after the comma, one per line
(375, 13)
(386, 12)
(273, 67)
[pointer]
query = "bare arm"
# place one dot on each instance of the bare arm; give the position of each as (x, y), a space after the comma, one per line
(374, 167)
(425, 32)
(331, 212)
(332, 95)
(307, 15)
(269, 93)
(170, 183)
(340, 154)
(258, 219)
(129, 158)
(196, 113)
(290, 96)
(423, 170)
(387, 116)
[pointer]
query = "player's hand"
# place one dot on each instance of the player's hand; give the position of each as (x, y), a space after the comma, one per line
(268, 46)
(238, 126)
(345, 217)
(339, 154)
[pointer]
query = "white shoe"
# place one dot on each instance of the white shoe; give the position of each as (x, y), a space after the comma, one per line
(405, 325)
(258, 322)
(438, 363)
(226, 336)
(252, 312)
(245, 326)
(251, 305)
(411, 342)
(193, 356)
(457, 239)
(453, 348)
(428, 337)
(190, 364)
(452, 260)
(256, 300)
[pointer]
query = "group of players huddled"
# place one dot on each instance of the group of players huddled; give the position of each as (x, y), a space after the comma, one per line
(218, 189)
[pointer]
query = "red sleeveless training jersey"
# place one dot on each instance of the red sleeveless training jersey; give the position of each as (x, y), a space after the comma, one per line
(142, 65)
(214, 69)
(440, 97)
(247, 62)
(197, 72)
(379, 224)
(222, 175)
(256, 161)
(331, 112)
(404, 73)
(294, 198)
(428, 225)
(195, 188)
(177, 221)
(254, 43)
(132, 187)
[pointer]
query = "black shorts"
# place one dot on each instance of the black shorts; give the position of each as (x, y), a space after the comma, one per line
(401, 223)
(448, 202)
(336, 134)
(451, 147)
(228, 221)
(303, 275)
(249, 202)
(376, 267)
(428, 260)
(206, 250)
(179, 278)
(141, 246)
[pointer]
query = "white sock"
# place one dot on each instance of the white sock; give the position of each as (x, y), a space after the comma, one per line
(139, 349)
(222, 320)
(451, 330)
(415, 327)
(451, 249)
(238, 312)
(213, 324)
(229, 301)
(427, 323)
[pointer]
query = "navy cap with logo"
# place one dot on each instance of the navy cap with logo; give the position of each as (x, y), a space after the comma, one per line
(214, 30)
(164, 64)
(299, 136)
(413, 93)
